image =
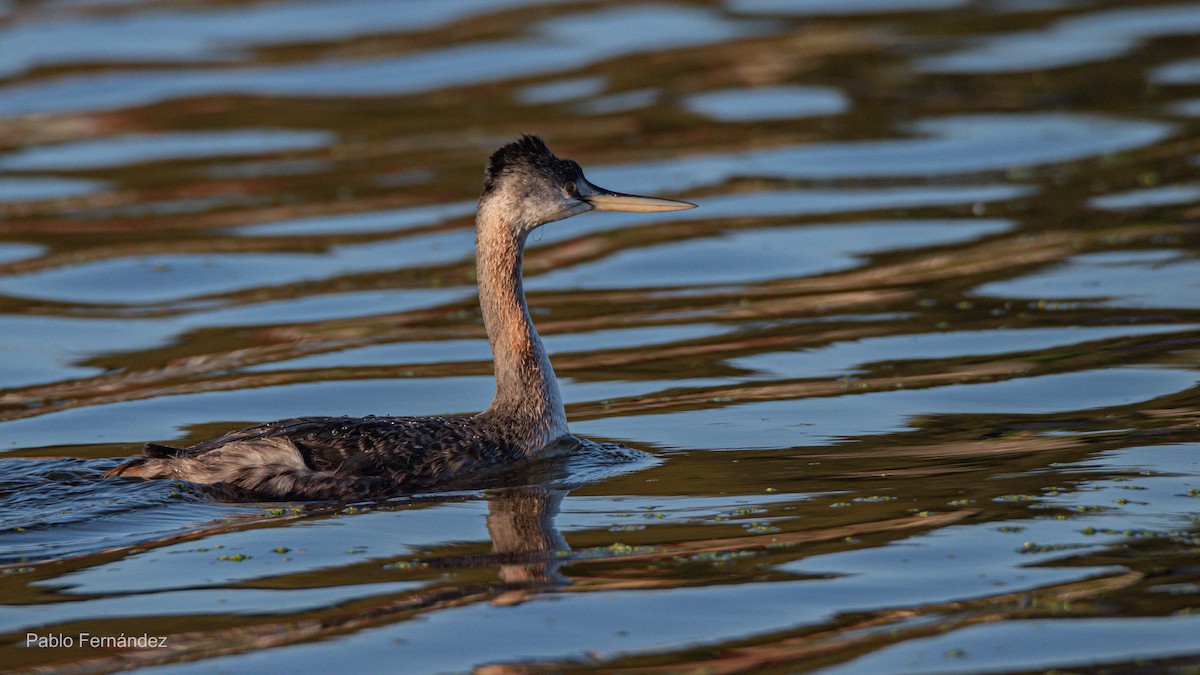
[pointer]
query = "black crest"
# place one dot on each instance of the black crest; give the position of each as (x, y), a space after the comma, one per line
(528, 153)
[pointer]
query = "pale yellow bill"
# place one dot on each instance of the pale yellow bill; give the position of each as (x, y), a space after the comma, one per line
(615, 201)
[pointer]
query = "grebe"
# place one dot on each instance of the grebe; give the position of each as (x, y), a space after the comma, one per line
(525, 186)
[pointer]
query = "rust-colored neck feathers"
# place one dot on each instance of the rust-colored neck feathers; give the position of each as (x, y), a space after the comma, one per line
(527, 395)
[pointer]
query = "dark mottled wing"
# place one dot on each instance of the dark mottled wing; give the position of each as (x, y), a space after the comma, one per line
(270, 429)
(408, 450)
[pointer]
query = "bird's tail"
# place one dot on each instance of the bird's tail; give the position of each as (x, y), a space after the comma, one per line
(152, 463)
(269, 468)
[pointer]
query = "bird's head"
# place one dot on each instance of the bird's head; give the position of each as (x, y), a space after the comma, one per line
(531, 187)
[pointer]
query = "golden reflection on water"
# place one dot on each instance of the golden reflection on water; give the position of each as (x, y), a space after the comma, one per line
(951, 320)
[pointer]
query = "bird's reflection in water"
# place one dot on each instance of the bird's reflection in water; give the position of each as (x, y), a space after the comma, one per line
(527, 548)
(520, 522)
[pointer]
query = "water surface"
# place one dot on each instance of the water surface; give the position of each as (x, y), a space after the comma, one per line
(914, 390)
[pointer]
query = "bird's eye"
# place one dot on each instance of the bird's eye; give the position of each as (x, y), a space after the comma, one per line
(570, 187)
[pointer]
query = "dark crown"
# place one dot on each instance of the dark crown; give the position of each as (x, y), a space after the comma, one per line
(526, 152)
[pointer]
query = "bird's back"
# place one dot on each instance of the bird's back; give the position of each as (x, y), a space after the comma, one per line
(407, 450)
(337, 457)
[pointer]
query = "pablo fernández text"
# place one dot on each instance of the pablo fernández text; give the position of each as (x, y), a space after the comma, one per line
(86, 640)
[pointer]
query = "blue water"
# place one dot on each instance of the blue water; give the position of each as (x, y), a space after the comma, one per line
(913, 390)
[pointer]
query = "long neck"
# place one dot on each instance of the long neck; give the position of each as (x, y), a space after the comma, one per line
(527, 397)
